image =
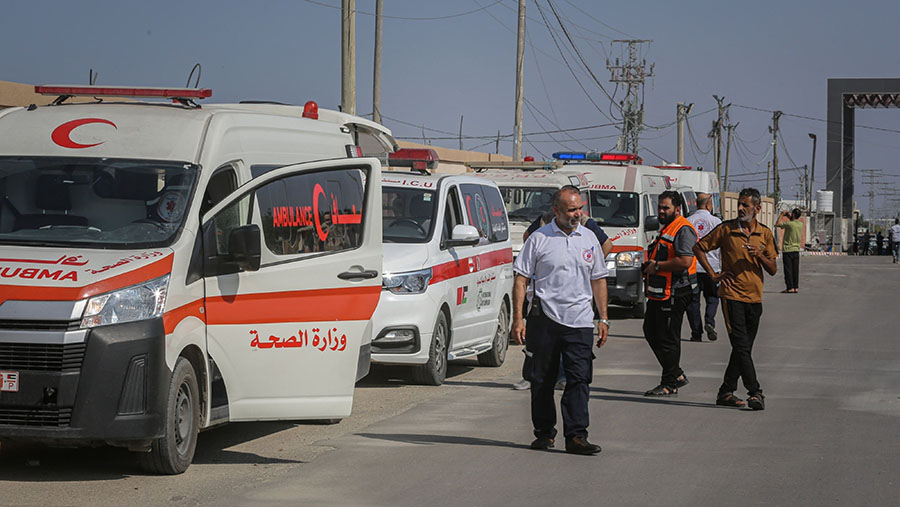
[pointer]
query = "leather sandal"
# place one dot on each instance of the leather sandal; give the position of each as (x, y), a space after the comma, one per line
(730, 400)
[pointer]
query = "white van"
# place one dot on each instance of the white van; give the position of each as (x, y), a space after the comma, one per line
(623, 199)
(447, 272)
(151, 287)
(527, 189)
(700, 181)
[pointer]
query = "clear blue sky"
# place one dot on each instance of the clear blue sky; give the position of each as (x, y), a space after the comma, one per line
(764, 54)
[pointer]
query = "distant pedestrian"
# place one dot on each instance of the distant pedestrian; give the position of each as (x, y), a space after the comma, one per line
(895, 237)
(563, 261)
(747, 248)
(704, 222)
(865, 243)
(790, 223)
(879, 243)
(671, 276)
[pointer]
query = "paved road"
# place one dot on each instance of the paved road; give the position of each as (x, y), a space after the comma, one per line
(828, 359)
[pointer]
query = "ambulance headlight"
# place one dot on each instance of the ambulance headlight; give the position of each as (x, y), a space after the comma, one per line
(629, 259)
(138, 302)
(413, 282)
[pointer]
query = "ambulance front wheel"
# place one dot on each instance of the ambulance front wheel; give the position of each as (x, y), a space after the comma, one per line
(497, 354)
(639, 309)
(172, 453)
(434, 371)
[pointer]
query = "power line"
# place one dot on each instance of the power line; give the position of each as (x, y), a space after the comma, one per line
(816, 119)
(404, 18)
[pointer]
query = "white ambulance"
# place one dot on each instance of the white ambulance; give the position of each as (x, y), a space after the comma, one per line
(447, 270)
(527, 189)
(700, 181)
(623, 199)
(162, 272)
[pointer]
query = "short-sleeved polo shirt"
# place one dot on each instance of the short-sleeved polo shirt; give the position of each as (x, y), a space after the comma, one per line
(731, 238)
(561, 267)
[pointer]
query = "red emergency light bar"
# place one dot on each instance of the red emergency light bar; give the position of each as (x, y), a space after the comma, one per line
(679, 167)
(618, 157)
(419, 159)
(124, 91)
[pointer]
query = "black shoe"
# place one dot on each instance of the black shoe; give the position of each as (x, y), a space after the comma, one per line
(711, 333)
(696, 338)
(580, 445)
(757, 401)
(682, 382)
(542, 443)
(662, 390)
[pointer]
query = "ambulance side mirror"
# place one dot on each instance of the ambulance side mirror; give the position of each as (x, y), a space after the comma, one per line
(463, 235)
(651, 223)
(244, 247)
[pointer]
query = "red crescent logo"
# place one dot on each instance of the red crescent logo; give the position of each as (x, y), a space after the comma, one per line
(61, 134)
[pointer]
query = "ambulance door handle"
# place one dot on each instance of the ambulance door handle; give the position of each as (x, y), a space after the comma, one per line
(358, 275)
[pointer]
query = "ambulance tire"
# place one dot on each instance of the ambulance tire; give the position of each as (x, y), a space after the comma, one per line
(639, 309)
(434, 371)
(173, 452)
(497, 354)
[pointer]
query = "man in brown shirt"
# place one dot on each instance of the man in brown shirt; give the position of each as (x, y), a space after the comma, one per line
(747, 248)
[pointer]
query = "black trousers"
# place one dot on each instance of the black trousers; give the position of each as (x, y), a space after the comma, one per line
(791, 261)
(709, 291)
(662, 330)
(742, 320)
(547, 341)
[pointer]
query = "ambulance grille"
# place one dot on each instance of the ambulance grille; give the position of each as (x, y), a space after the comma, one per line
(41, 357)
(47, 417)
(39, 325)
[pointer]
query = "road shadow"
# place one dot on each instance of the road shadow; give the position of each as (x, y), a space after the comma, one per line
(442, 439)
(31, 462)
(602, 393)
(382, 375)
(482, 383)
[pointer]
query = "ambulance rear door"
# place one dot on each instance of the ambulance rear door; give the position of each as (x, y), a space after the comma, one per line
(292, 273)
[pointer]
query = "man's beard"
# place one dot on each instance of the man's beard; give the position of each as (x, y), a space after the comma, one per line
(746, 218)
(667, 219)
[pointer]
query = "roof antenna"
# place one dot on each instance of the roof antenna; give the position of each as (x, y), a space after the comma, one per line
(197, 82)
(92, 78)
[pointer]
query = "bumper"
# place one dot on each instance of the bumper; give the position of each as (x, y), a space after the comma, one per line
(403, 312)
(624, 286)
(114, 392)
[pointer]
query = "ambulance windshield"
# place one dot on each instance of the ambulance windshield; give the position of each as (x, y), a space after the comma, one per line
(527, 203)
(615, 209)
(408, 214)
(93, 202)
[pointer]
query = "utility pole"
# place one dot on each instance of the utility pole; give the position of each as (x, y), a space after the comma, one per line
(376, 80)
(460, 131)
(729, 127)
(776, 189)
(718, 135)
(348, 56)
(768, 169)
(520, 82)
(681, 114)
(812, 173)
(632, 73)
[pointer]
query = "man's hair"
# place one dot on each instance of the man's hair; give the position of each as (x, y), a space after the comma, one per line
(795, 213)
(897, 221)
(752, 193)
(558, 195)
(702, 199)
(673, 196)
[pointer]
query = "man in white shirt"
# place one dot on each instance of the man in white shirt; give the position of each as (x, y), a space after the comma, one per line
(704, 222)
(895, 237)
(565, 262)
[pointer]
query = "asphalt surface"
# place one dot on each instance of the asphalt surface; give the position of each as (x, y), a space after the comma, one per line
(828, 359)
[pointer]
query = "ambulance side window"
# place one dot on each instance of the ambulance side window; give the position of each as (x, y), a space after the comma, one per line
(496, 214)
(222, 183)
(452, 214)
(475, 208)
(228, 219)
(313, 212)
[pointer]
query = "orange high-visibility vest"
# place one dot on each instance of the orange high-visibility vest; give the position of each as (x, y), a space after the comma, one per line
(659, 284)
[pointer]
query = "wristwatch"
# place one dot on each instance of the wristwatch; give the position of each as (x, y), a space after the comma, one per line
(605, 322)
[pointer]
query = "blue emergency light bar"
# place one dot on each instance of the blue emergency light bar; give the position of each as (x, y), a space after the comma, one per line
(593, 156)
(569, 155)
